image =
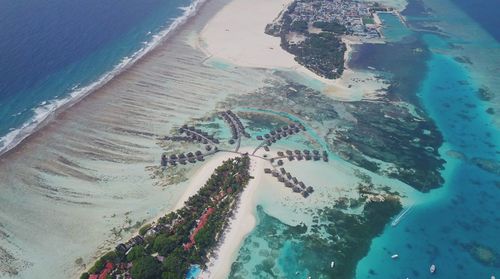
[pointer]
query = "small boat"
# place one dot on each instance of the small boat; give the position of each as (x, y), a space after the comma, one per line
(332, 264)
(400, 216)
(395, 256)
(432, 269)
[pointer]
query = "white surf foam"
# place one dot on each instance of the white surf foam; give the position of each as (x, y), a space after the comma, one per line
(48, 109)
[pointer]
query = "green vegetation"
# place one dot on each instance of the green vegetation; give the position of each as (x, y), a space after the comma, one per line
(144, 229)
(331, 26)
(321, 53)
(215, 202)
(368, 20)
(146, 267)
(299, 26)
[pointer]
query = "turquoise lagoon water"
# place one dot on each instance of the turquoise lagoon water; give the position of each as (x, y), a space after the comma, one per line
(447, 224)
(391, 28)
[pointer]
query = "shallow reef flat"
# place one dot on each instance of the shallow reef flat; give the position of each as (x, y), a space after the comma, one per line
(87, 168)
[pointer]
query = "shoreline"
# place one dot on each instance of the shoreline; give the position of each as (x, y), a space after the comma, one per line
(242, 224)
(235, 35)
(15, 138)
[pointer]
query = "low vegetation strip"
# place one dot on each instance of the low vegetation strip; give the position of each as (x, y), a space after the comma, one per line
(182, 238)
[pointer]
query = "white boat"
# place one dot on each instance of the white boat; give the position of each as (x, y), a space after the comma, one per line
(332, 264)
(400, 216)
(395, 256)
(432, 269)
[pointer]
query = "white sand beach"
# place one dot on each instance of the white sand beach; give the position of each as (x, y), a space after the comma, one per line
(236, 35)
(241, 225)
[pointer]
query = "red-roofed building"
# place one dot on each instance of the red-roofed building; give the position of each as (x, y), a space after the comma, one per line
(201, 223)
(107, 269)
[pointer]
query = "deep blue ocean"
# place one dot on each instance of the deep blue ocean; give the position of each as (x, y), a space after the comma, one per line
(456, 227)
(50, 50)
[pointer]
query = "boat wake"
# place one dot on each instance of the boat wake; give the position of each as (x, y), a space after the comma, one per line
(45, 111)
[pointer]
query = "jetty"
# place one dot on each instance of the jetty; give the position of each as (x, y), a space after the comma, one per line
(236, 126)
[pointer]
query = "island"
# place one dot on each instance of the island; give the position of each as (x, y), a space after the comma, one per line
(168, 247)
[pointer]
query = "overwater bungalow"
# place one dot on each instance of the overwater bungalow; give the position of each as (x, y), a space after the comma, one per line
(302, 185)
(266, 148)
(273, 133)
(296, 130)
(316, 157)
(259, 138)
(296, 189)
(280, 162)
(279, 130)
(310, 189)
(294, 179)
(281, 154)
(267, 170)
(292, 125)
(283, 171)
(289, 152)
(267, 136)
(285, 128)
(278, 136)
(308, 157)
(288, 175)
(305, 194)
(284, 134)
(305, 151)
(290, 158)
(273, 140)
(297, 152)
(291, 132)
(316, 152)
